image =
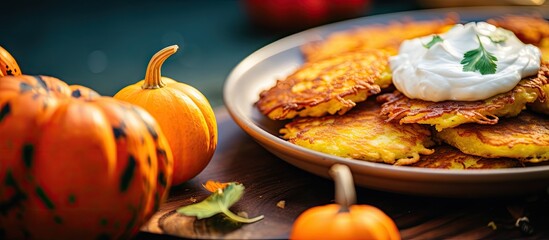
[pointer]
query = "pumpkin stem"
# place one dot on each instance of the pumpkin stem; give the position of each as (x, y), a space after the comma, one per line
(8, 65)
(345, 194)
(153, 77)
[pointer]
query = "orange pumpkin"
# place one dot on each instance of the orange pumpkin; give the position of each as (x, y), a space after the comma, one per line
(75, 164)
(344, 219)
(183, 113)
(9, 66)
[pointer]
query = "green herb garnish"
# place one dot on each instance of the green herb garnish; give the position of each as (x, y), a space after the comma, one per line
(479, 60)
(499, 36)
(219, 202)
(435, 39)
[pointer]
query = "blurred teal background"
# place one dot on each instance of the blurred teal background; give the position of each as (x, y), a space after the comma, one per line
(107, 45)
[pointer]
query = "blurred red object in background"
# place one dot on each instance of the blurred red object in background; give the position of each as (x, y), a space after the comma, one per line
(291, 15)
(344, 9)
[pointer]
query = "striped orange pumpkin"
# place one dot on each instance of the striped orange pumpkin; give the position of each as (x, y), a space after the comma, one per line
(74, 164)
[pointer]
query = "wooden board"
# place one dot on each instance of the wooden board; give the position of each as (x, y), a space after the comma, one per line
(269, 180)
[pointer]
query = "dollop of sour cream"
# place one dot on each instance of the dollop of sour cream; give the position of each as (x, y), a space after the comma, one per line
(435, 73)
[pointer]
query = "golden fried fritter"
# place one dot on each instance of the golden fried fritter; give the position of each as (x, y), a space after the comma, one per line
(380, 36)
(541, 105)
(525, 137)
(544, 47)
(448, 114)
(361, 134)
(329, 86)
(447, 157)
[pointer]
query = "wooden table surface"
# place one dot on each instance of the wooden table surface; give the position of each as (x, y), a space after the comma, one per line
(269, 180)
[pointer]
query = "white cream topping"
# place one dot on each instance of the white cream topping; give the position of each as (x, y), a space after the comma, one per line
(436, 73)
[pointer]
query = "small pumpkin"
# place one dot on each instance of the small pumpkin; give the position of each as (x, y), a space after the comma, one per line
(183, 113)
(344, 219)
(74, 164)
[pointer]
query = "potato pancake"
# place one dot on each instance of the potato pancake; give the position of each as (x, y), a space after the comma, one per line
(361, 134)
(381, 36)
(541, 105)
(447, 157)
(330, 86)
(525, 137)
(447, 114)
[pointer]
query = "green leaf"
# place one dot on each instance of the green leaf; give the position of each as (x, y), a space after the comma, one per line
(218, 202)
(435, 39)
(204, 209)
(231, 194)
(479, 59)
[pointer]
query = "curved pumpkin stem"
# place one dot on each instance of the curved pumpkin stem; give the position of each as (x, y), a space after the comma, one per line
(8, 65)
(153, 77)
(345, 194)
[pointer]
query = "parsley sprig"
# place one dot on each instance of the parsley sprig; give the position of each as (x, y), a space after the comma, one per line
(500, 35)
(435, 39)
(479, 59)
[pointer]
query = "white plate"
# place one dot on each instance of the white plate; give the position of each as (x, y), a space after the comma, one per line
(261, 69)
